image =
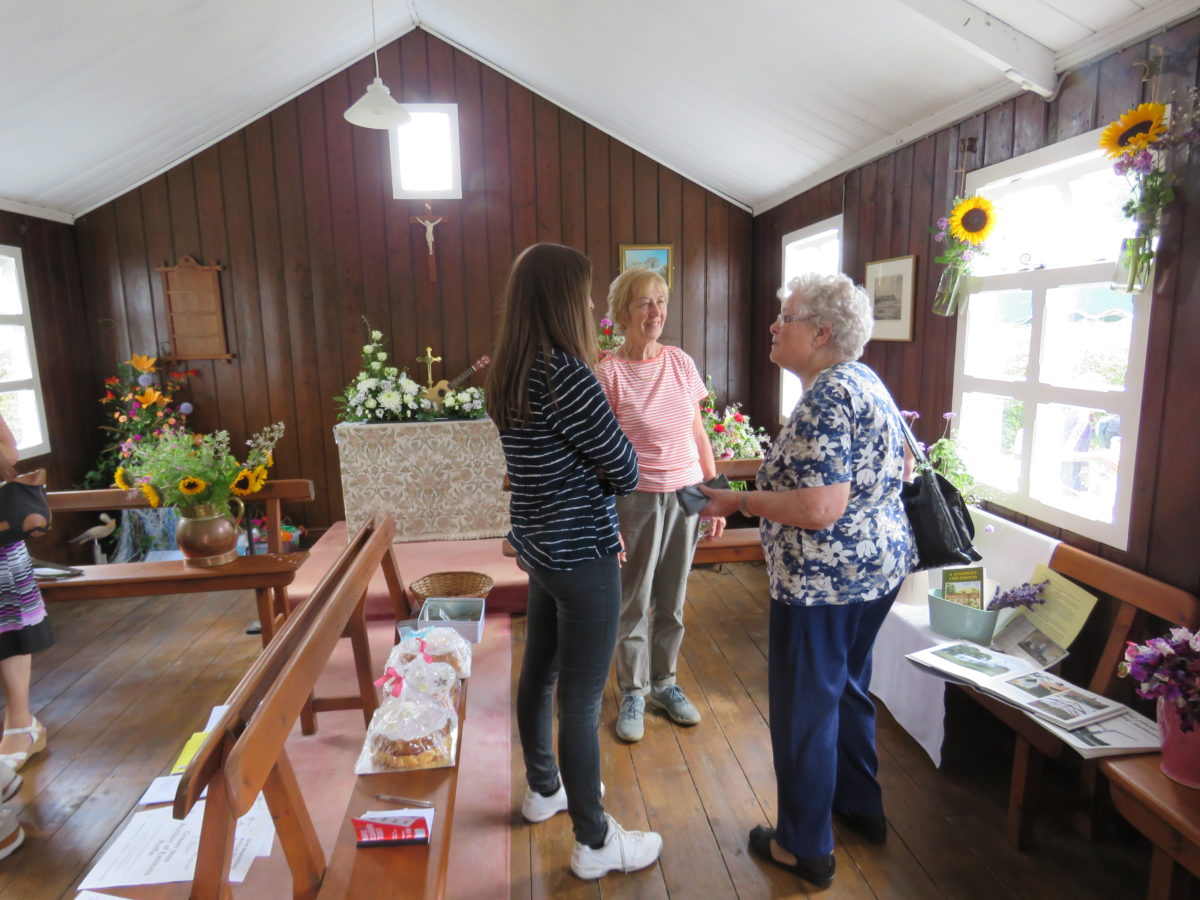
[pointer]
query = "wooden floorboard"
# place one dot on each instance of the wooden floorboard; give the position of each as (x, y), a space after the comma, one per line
(703, 788)
(123, 687)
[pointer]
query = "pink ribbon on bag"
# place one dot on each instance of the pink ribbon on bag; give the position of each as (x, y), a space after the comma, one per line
(424, 655)
(391, 681)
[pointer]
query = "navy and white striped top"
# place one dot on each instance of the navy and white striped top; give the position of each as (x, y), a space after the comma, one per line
(563, 511)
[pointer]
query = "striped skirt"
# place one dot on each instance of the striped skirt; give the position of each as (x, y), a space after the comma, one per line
(23, 624)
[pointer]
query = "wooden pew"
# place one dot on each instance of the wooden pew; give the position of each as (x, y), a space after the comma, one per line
(1138, 596)
(244, 753)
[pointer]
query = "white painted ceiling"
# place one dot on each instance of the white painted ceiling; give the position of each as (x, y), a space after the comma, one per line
(756, 100)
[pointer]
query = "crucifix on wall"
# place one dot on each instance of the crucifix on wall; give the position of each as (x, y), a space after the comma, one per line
(429, 222)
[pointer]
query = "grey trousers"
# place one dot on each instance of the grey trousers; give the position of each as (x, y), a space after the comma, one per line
(660, 539)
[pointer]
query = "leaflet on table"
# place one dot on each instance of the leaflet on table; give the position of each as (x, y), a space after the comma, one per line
(1066, 609)
(963, 585)
(1130, 732)
(1018, 680)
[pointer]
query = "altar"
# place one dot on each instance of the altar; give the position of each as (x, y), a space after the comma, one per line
(439, 480)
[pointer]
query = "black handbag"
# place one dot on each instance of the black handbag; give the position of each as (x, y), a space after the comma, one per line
(938, 515)
(24, 508)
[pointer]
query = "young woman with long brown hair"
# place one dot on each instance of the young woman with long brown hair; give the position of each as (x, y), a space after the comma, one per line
(567, 458)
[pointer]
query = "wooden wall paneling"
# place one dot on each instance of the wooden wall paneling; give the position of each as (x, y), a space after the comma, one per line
(1029, 123)
(185, 236)
(1075, 107)
(1119, 83)
(763, 391)
(907, 390)
(898, 245)
(156, 220)
(299, 370)
(325, 351)
(406, 252)
(477, 291)
(573, 181)
(1171, 543)
(716, 312)
(522, 167)
(425, 320)
(497, 183)
(621, 200)
(450, 295)
(97, 233)
(937, 347)
(600, 243)
(229, 412)
(372, 183)
(868, 209)
(998, 134)
(548, 162)
(272, 295)
(645, 200)
(694, 272)
(135, 274)
(670, 231)
(739, 340)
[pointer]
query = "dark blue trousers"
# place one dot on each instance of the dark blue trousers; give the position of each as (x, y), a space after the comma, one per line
(570, 633)
(822, 721)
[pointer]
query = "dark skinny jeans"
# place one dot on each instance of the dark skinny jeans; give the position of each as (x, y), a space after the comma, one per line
(570, 633)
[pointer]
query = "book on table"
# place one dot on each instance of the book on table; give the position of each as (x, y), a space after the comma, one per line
(1018, 677)
(963, 585)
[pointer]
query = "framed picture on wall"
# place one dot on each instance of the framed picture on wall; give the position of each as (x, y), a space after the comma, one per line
(889, 284)
(656, 257)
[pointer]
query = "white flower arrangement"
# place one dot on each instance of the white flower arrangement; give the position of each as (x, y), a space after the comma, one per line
(464, 404)
(381, 393)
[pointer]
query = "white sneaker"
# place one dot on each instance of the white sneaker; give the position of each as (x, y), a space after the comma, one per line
(10, 782)
(536, 808)
(623, 851)
(12, 835)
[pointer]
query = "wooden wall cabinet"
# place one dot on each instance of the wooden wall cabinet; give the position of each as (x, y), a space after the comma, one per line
(195, 316)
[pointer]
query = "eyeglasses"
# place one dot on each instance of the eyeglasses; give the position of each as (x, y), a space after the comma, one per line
(785, 319)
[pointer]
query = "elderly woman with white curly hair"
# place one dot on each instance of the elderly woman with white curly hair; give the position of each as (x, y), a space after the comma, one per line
(837, 545)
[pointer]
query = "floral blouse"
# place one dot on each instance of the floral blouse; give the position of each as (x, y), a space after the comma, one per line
(845, 428)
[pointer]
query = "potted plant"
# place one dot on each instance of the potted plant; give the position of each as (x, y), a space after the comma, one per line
(198, 475)
(1167, 669)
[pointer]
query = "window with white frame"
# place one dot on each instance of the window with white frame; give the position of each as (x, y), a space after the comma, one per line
(21, 401)
(425, 154)
(1049, 359)
(816, 248)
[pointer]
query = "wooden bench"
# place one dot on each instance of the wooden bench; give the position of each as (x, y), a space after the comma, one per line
(1137, 596)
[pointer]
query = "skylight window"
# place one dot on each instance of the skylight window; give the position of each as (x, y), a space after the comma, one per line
(425, 154)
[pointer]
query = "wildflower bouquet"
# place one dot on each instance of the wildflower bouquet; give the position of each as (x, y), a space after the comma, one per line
(381, 393)
(1142, 142)
(464, 404)
(730, 433)
(139, 402)
(964, 230)
(1168, 669)
(607, 340)
(178, 468)
(1025, 595)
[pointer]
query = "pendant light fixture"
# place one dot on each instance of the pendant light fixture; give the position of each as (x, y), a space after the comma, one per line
(376, 108)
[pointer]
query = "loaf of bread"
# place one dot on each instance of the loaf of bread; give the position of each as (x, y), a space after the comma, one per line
(411, 734)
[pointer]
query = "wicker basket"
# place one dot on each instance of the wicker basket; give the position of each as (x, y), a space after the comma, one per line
(450, 584)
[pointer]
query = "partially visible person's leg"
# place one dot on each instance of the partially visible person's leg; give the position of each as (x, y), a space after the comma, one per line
(858, 793)
(15, 675)
(670, 589)
(641, 531)
(588, 608)
(535, 689)
(806, 677)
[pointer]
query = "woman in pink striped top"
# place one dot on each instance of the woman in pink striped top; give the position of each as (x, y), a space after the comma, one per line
(655, 392)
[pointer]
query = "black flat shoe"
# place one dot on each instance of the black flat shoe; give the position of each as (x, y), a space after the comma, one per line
(817, 871)
(872, 829)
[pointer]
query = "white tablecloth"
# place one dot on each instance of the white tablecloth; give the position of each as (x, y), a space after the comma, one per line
(914, 696)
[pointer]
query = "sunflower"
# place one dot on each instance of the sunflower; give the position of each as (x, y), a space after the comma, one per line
(151, 494)
(972, 220)
(1136, 130)
(260, 477)
(191, 485)
(243, 485)
(119, 479)
(142, 363)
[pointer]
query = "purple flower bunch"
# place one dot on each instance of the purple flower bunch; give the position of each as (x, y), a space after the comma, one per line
(1026, 595)
(1168, 669)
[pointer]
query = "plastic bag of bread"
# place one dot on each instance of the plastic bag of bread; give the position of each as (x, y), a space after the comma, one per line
(415, 679)
(435, 645)
(409, 734)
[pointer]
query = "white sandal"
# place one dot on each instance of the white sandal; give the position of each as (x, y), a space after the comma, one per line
(16, 760)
